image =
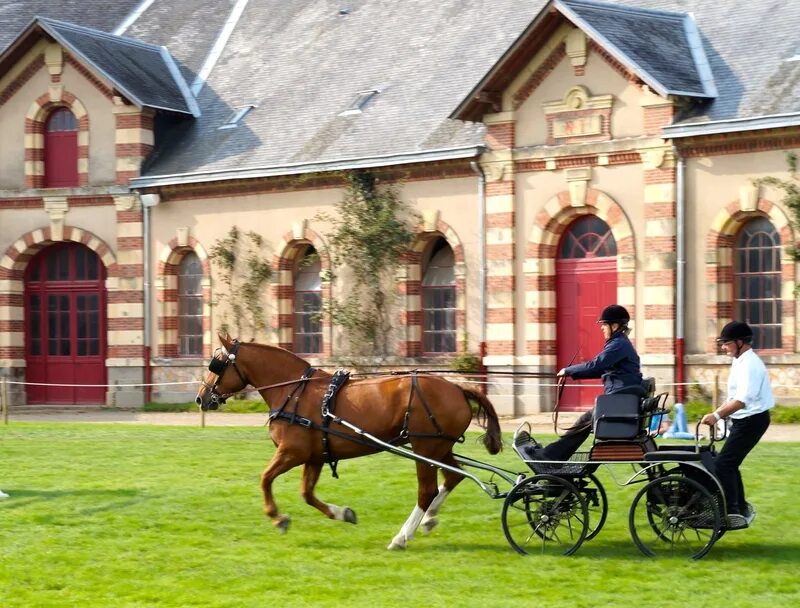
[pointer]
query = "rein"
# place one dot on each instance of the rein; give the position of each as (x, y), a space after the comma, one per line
(562, 382)
(269, 386)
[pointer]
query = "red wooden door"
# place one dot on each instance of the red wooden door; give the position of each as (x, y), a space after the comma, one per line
(61, 150)
(586, 282)
(65, 306)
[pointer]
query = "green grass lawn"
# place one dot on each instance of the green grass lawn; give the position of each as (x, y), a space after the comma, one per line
(118, 516)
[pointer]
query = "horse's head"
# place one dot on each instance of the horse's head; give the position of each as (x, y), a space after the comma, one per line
(224, 378)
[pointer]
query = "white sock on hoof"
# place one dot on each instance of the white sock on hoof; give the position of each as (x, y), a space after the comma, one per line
(407, 531)
(430, 520)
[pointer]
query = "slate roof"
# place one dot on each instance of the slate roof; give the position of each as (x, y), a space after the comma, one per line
(302, 63)
(747, 44)
(663, 48)
(145, 73)
(104, 15)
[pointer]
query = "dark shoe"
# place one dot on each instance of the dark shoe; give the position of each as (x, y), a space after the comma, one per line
(749, 513)
(736, 521)
(534, 451)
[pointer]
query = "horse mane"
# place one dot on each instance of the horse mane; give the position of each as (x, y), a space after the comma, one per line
(270, 348)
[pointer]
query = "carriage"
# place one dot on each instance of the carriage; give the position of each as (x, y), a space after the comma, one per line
(679, 508)
(554, 506)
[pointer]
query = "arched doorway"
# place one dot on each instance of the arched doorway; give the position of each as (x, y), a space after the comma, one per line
(65, 325)
(586, 271)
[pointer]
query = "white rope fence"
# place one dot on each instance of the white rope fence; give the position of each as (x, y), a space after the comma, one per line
(421, 372)
(5, 383)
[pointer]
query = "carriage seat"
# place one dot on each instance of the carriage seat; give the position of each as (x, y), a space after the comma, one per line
(623, 416)
(617, 416)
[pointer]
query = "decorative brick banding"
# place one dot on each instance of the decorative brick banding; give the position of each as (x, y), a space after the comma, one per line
(541, 253)
(167, 296)
(411, 288)
(283, 287)
(720, 244)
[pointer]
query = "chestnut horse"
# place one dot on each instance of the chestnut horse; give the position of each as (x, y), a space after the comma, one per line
(428, 412)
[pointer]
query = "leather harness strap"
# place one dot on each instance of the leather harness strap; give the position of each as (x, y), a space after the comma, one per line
(293, 417)
(328, 403)
(327, 406)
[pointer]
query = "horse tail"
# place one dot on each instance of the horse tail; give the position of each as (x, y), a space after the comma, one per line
(486, 418)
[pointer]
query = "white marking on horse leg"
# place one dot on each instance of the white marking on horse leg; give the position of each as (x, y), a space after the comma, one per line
(343, 513)
(406, 533)
(430, 520)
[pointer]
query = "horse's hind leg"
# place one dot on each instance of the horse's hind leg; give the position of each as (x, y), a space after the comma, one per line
(430, 520)
(311, 474)
(280, 463)
(426, 490)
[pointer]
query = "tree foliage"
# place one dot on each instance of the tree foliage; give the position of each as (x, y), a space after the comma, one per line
(370, 233)
(243, 270)
(791, 197)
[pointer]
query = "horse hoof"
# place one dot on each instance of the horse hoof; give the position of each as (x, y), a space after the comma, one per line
(350, 516)
(398, 543)
(429, 525)
(282, 525)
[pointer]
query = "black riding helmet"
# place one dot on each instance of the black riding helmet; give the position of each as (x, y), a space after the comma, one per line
(614, 313)
(736, 330)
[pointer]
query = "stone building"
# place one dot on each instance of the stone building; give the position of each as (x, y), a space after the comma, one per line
(562, 155)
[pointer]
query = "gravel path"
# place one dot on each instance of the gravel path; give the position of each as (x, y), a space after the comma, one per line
(540, 423)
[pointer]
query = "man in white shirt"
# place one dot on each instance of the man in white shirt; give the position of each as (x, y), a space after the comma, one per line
(748, 403)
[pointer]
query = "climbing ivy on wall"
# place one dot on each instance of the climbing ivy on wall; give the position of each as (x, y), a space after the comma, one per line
(243, 270)
(371, 230)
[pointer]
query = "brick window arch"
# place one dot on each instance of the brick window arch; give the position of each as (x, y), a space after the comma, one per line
(301, 244)
(439, 298)
(61, 149)
(182, 285)
(307, 300)
(190, 306)
(757, 281)
(588, 237)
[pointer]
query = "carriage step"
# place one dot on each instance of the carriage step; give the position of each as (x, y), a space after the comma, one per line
(672, 455)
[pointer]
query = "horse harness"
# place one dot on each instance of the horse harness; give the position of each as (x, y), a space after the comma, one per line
(328, 404)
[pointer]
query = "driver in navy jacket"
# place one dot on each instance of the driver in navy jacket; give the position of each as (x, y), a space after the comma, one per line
(618, 367)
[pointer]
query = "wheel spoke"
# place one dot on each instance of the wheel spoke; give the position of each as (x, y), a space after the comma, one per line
(548, 507)
(674, 515)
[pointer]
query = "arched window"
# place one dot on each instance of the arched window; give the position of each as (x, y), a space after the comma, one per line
(757, 281)
(307, 303)
(588, 237)
(190, 306)
(439, 299)
(61, 149)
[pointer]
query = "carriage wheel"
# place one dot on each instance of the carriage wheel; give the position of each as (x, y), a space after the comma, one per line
(545, 514)
(674, 515)
(596, 503)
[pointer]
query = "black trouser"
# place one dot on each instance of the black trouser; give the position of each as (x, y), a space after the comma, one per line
(574, 436)
(743, 437)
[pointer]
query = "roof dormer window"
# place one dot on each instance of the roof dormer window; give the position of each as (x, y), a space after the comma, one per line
(237, 116)
(359, 102)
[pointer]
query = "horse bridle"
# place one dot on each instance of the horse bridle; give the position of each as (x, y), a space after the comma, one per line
(218, 366)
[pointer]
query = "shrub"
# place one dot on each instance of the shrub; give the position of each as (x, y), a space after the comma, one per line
(780, 414)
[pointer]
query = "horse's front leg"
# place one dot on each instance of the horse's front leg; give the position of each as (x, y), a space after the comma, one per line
(426, 490)
(311, 474)
(280, 463)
